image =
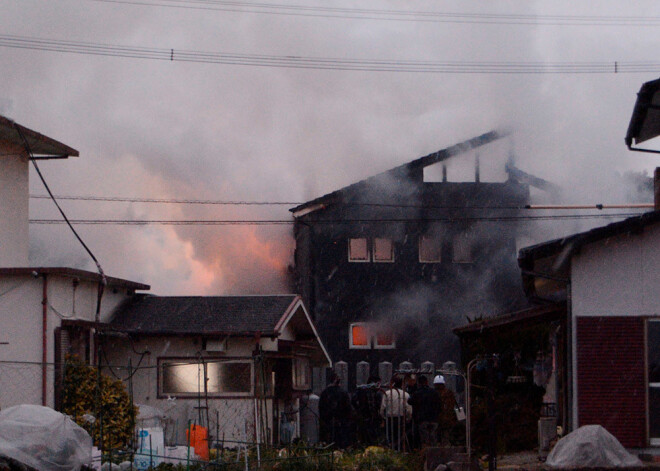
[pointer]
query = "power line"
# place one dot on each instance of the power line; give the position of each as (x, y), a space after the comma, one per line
(320, 63)
(124, 199)
(272, 222)
(168, 200)
(394, 15)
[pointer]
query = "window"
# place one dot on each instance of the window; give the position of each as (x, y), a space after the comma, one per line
(358, 251)
(362, 249)
(302, 378)
(383, 250)
(384, 338)
(653, 365)
(365, 335)
(223, 378)
(359, 335)
(462, 249)
(430, 249)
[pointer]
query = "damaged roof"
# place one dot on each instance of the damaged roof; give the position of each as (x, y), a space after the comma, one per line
(402, 171)
(204, 315)
(39, 144)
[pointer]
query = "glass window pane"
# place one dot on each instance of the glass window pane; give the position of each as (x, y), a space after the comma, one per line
(359, 335)
(357, 250)
(182, 378)
(430, 249)
(228, 378)
(654, 412)
(385, 338)
(301, 373)
(654, 351)
(383, 250)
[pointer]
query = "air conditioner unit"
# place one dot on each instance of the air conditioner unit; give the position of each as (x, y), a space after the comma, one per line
(216, 345)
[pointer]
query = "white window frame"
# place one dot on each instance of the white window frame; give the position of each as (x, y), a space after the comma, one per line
(419, 249)
(359, 260)
(373, 251)
(351, 345)
(205, 362)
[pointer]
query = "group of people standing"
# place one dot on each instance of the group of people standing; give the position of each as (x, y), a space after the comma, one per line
(403, 416)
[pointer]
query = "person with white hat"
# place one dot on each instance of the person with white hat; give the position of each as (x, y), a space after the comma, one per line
(447, 419)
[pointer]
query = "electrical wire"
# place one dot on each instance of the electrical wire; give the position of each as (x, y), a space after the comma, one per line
(168, 200)
(271, 222)
(329, 63)
(394, 15)
(12, 288)
(101, 285)
(599, 206)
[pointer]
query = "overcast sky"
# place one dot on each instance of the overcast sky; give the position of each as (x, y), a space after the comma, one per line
(173, 129)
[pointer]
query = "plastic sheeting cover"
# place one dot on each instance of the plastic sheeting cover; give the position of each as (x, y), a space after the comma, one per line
(43, 439)
(590, 446)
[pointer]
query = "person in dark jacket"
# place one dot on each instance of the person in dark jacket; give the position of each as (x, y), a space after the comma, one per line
(447, 419)
(335, 412)
(426, 404)
(366, 401)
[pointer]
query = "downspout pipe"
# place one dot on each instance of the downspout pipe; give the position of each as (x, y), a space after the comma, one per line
(44, 340)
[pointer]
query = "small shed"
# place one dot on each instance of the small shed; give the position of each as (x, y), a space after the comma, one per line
(235, 364)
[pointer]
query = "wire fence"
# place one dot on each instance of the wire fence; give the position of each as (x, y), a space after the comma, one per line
(181, 417)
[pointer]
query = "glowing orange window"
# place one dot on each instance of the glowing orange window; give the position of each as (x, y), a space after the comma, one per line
(359, 336)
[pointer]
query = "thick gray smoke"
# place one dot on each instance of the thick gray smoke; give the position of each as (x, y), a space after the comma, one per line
(209, 131)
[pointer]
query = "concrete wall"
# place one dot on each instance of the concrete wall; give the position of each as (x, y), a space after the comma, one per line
(14, 198)
(21, 324)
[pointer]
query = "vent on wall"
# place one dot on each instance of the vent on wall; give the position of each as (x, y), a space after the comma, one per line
(215, 345)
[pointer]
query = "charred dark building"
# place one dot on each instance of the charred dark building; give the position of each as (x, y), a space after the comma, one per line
(389, 265)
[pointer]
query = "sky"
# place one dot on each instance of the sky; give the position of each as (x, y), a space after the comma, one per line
(226, 132)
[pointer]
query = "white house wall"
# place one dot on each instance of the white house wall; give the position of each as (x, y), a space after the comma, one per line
(618, 276)
(14, 198)
(236, 416)
(21, 319)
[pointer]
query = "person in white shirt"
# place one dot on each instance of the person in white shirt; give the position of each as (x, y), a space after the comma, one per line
(396, 411)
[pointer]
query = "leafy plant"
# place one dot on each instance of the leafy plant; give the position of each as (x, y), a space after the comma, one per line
(99, 404)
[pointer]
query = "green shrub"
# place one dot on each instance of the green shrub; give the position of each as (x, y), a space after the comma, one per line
(88, 394)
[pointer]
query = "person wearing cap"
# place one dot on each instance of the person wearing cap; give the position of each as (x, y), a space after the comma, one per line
(447, 417)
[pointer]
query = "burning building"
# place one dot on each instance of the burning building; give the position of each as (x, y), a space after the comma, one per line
(389, 265)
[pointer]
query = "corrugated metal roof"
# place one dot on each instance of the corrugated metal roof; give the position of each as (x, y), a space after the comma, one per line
(531, 315)
(39, 144)
(210, 315)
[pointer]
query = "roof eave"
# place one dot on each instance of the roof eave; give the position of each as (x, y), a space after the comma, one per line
(39, 144)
